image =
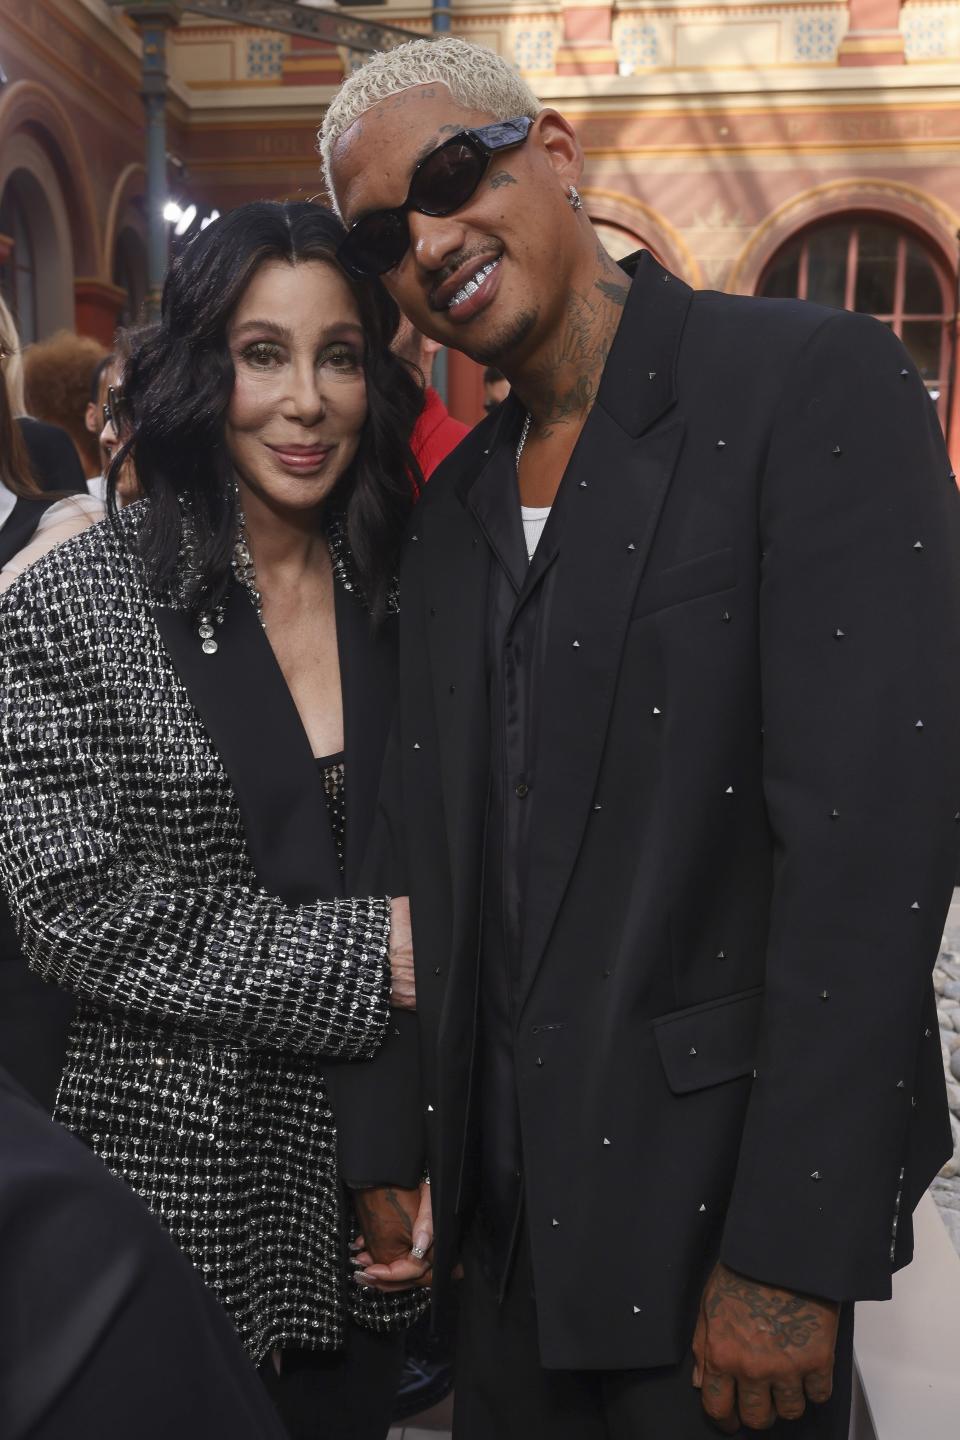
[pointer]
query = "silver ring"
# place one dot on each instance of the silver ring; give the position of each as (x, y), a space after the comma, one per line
(417, 1253)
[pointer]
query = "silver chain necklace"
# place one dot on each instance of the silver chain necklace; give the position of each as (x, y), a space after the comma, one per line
(523, 438)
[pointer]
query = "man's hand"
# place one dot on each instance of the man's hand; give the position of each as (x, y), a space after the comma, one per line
(403, 992)
(395, 1250)
(760, 1352)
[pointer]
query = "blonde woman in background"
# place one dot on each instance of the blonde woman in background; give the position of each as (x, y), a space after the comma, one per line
(52, 455)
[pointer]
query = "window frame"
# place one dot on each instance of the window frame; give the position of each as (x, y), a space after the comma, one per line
(897, 317)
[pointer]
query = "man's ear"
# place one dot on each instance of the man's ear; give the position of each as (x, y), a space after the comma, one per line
(558, 139)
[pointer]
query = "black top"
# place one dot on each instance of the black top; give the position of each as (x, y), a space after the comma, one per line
(53, 456)
(331, 768)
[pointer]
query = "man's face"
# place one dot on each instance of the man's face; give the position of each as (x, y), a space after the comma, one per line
(504, 238)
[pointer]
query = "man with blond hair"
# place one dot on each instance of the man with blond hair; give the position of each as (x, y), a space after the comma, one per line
(675, 791)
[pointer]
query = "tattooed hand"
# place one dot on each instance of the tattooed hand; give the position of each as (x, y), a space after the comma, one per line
(394, 1252)
(760, 1352)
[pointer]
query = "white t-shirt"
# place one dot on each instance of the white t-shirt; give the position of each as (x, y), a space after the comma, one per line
(534, 518)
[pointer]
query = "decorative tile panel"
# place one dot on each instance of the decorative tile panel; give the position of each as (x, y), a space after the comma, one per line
(931, 32)
(264, 60)
(535, 48)
(639, 47)
(816, 37)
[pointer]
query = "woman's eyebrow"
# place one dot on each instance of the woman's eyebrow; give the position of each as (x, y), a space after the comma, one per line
(270, 326)
(273, 327)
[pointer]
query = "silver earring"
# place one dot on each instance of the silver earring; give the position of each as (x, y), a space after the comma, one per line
(573, 195)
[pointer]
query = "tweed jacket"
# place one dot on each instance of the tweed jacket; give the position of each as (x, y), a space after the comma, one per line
(144, 807)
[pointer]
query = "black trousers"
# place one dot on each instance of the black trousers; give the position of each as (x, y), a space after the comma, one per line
(503, 1393)
(343, 1394)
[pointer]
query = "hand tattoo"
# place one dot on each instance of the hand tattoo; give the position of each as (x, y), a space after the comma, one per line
(791, 1321)
(379, 1222)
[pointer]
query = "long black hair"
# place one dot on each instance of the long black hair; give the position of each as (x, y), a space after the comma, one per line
(178, 385)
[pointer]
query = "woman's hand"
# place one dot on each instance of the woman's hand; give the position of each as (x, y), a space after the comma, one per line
(403, 993)
(401, 1220)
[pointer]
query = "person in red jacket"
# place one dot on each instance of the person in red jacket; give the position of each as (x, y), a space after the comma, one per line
(436, 432)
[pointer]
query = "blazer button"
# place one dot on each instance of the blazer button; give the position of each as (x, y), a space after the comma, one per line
(522, 789)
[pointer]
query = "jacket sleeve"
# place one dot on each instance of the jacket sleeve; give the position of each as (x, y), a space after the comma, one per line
(99, 915)
(860, 661)
(377, 1105)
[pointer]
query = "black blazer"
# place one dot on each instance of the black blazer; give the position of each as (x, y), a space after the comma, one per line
(53, 456)
(745, 829)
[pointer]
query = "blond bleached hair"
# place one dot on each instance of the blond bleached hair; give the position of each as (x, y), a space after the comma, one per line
(477, 78)
(13, 364)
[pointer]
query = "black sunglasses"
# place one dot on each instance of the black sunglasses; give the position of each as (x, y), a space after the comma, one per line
(441, 183)
(116, 411)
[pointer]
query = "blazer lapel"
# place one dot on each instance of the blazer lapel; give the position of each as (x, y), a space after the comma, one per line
(614, 491)
(246, 708)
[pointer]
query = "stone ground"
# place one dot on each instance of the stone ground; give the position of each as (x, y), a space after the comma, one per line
(435, 1424)
(946, 980)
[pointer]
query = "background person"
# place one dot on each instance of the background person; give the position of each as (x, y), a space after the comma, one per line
(496, 388)
(196, 696)
(679, 775)
(116, 422)
(57, 374)
(53, 459)
(436, 432)
(94, 419)
(105, 1330)
(34, 1017)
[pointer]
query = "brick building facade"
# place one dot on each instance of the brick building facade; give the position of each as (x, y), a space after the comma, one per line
(782, 147)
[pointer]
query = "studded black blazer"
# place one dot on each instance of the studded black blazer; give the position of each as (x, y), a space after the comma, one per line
(166, 849)
(743, 805)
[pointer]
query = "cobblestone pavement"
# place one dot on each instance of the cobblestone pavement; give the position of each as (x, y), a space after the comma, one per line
(946, 980)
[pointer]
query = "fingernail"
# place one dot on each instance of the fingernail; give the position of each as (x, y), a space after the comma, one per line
(356, 1245)
(356, 1262)
(360, 1279)
(422, 1241)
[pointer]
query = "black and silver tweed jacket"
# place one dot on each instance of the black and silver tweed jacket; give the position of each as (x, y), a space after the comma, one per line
(130, 847)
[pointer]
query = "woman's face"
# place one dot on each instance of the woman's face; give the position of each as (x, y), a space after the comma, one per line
(299, 398)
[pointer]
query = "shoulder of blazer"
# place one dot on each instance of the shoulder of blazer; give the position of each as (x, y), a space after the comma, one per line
(77, 578)
(754, 321)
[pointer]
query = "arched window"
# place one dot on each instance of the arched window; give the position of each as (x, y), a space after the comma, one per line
(876, 267)
(130, 274)
(18, 276)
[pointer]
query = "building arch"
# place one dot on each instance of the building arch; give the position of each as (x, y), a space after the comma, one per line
(647, 226)
(124, 259)
(31, 112)
(30, 189)
(130, 186)
(933, 221)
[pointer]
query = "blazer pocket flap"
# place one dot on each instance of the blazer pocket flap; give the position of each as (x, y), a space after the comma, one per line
(703, 575)
(710, 1043)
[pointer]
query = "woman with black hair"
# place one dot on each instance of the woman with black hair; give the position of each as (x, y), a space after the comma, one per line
(196, 698)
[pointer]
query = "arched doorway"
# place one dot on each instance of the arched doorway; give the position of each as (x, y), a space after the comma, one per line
(35, 281)
(130, 274)
(878, 266)
(18, 272)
